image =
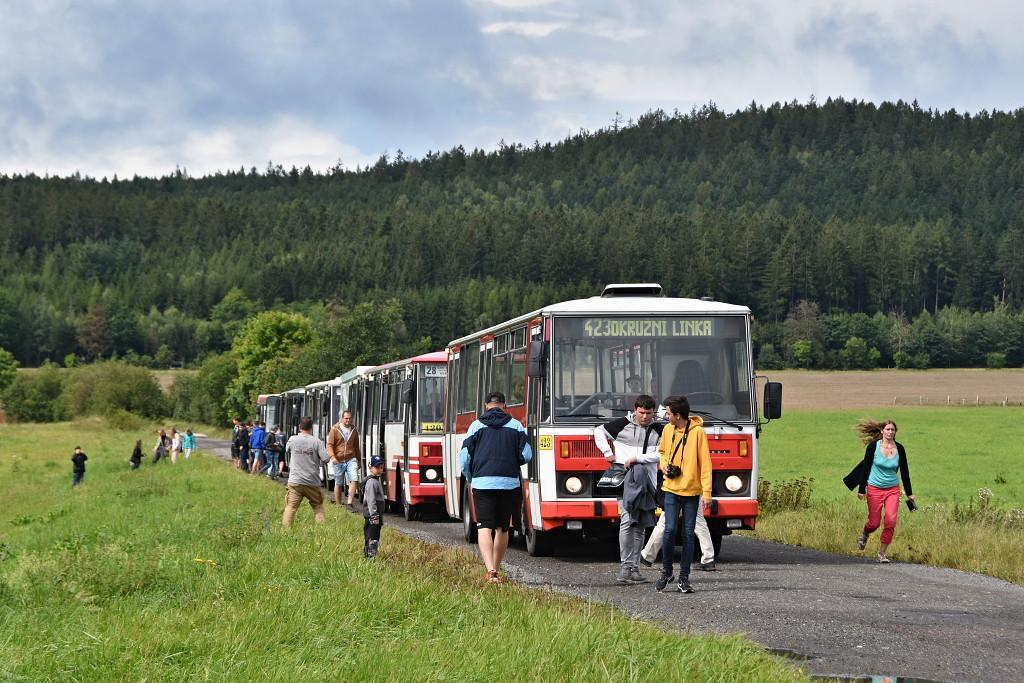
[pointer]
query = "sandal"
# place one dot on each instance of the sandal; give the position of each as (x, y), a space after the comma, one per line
(882, 559)
(493, 577)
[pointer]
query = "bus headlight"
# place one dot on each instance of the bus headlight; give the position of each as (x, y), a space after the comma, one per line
(733, 483)
(573, 485)
(430, 474)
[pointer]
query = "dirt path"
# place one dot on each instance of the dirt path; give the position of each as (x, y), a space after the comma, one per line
(835, 614)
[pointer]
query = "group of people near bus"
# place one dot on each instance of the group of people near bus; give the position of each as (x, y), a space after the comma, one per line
(257, 450)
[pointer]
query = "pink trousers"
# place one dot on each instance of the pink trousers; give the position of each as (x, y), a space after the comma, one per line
(883, 498)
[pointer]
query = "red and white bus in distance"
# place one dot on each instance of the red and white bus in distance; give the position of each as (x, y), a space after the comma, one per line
(569, 367)
(404, 424)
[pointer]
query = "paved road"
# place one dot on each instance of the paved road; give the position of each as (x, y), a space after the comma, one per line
(845, 615)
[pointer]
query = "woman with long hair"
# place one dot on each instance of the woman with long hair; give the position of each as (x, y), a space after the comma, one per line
(884, 457)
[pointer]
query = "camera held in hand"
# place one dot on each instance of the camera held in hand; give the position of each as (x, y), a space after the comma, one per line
(672, 471)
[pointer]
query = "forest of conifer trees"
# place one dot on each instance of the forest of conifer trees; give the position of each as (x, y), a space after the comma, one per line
(860, 235)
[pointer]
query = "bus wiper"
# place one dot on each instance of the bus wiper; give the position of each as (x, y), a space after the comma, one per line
(716, 418)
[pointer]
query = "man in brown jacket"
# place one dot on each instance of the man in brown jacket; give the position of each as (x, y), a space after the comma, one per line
(343, 447)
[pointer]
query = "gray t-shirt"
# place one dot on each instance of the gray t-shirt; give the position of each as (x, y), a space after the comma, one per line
(307, 452)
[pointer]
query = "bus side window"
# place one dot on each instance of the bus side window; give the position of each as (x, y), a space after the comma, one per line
(469, 389)
(452, 391)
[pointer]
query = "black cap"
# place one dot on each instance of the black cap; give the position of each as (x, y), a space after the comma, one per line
(496, 397)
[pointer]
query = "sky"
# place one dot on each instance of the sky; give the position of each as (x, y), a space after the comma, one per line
(139, 87)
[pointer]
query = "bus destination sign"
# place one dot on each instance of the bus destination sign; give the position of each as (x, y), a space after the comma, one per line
(648, 327)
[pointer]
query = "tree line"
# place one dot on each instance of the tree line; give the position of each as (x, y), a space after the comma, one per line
(881, 212)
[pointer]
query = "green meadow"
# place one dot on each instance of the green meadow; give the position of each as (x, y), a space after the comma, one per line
(184, 573)
(953, 453)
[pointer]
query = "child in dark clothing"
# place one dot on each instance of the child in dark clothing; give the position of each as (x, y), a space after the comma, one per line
(78, 468)
(373, 506)
(136, 455)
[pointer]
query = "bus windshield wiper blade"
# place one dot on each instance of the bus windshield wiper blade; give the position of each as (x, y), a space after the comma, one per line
(716, 418)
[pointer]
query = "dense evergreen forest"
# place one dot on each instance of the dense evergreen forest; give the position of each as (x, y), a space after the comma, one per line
(888, 224)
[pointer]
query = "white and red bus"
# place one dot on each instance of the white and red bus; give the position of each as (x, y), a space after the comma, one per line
(402, 420)
(571, 366)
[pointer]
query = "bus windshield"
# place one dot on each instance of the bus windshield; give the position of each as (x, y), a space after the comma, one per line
(601, 364)
(430, 398)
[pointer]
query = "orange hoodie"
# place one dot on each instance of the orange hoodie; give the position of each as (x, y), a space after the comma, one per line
(694, 459)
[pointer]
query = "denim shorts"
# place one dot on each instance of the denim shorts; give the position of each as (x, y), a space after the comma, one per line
(340, 471)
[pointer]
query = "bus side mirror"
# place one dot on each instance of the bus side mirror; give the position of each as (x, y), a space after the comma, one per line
(408, 391)
(772, 400)
(537, 362)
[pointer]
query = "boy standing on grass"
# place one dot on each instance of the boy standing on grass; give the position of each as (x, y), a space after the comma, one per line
(373, 505)
(78, 467)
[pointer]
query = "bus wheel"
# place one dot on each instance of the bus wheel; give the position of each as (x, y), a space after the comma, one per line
(468, 528)
(538, 543)
(716, 540)
(410, 512)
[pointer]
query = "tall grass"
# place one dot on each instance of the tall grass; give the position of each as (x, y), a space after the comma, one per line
(184, 573)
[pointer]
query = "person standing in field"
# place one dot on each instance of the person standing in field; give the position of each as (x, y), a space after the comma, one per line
(373, 507)
(306, 454)
(236, 423)
(189, 443)
(160, 449)
(136, 458)
(879, 485)
(256, 438)
(686, 464)
(78, 459)
(175, 445)
(343, 447)
(495, 448)
(635, 438)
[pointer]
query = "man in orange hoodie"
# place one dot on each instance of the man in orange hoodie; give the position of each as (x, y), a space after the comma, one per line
(686, 464)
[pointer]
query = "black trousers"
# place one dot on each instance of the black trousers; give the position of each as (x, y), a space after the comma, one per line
(371, 537)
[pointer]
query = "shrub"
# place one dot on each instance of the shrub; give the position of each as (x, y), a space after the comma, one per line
(8, 368)
(794, 494)
(769, 358)
(995, 360)
(37, 396)
(104, 388)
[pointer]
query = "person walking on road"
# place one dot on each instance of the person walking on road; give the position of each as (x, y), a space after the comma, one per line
(343, 447)
(686, 464)
(878, 483)
(492, 454)
(307, 454)
(700, 529)
(635, 438)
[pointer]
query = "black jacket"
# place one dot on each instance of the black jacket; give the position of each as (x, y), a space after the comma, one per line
(638, 497)
(495, 450)
(858, 476)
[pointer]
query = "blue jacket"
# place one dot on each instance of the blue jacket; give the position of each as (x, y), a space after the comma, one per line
(494, 449)
(257, 438)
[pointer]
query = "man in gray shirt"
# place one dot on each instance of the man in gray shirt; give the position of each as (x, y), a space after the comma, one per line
(306, 453)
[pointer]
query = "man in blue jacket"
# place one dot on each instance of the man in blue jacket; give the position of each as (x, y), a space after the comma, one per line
(495, 448)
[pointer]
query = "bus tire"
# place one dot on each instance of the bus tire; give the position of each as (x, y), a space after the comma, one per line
(538, 543)
(468, 527)
(410, 512)
(716, 540)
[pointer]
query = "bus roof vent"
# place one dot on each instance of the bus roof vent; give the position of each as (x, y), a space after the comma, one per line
(632, 289)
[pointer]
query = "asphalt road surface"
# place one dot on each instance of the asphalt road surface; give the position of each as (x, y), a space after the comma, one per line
(832, 614)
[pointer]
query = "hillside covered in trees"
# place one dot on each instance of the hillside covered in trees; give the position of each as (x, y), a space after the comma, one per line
(894, 226)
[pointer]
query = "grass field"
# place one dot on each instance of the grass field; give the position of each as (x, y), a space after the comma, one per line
(952, 453)
(184, 573)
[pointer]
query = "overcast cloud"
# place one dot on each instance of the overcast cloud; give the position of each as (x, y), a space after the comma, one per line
(142, 87)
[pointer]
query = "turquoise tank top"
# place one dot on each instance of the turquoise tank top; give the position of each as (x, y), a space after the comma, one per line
(883, 469)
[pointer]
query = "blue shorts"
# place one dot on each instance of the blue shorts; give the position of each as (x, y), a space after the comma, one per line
(340, 471)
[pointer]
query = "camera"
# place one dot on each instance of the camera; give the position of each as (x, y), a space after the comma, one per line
(672, 471)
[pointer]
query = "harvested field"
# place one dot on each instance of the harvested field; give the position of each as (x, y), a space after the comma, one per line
(822, 390)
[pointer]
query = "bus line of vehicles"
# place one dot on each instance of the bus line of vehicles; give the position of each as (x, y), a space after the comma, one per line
(564, 369)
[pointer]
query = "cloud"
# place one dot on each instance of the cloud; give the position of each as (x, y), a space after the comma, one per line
(141, 87)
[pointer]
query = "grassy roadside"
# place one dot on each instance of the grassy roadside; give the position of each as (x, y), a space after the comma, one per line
(953, 453)
(183, 573)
